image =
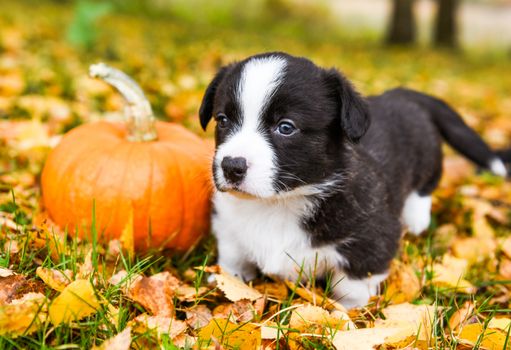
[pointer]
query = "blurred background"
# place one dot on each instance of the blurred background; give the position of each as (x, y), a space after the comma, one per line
(457, 49)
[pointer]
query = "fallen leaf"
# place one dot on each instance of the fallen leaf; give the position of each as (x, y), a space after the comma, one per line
(234, 288)
(55, 279)
(186, 292)
(505, 268)
(86, 268)
(238, 336)
(155, 293)
(308, 317)
(159, 324)
(23, 316)
(369, 338)
(198, 316)
(402, 285)
(315, 298)
(5, 272)
(461, 316)
(121, 341)
(505, 246)
(474, 249)
(491, 338)
(75, 302)
(450, 274)
(15, 286)
(419, 318)
(501, 323)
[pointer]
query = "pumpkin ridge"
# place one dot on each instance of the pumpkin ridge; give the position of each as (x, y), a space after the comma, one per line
(121, 185)
(70, 171)
(179, 172)
(103, 166)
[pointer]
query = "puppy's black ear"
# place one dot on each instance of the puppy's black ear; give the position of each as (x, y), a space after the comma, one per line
(206, 108)
(354, 113)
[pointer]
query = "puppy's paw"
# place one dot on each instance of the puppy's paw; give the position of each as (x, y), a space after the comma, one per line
(417, 213)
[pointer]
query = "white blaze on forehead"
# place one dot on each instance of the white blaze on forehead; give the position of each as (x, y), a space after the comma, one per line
(259, 80)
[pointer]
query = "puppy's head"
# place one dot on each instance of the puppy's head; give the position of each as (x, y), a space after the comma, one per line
(281, 122)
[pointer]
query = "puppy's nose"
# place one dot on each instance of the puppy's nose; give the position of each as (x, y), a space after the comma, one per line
(234, 169)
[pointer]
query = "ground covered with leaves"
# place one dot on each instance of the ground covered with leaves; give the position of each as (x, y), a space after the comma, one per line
(449, 288)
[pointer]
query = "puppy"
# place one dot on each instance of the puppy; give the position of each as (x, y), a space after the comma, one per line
(313, 180)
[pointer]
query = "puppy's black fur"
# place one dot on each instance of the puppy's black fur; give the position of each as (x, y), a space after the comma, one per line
(378, 149)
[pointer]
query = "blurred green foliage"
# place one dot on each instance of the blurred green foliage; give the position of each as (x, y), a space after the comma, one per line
(82, 31)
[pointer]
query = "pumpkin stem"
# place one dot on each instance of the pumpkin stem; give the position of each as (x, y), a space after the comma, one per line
(140, 118)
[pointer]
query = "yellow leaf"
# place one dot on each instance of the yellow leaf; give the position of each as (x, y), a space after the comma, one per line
(419, 318)
(121, 341)
(305, 318)
(491, 339)
(369, 338)
(238, 336)
(474, 249)
(461, 316)
(127, 237)
(75, 302)
(402, 285)
(315, 298)
(23, 316)
(450, 274)
(159, 324)
(234, 288)
(55, 279)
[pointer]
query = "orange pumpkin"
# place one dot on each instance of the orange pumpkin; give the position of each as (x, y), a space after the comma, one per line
(154, 175)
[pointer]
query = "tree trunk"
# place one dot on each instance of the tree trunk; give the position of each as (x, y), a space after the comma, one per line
(402, 29)
(446, 26)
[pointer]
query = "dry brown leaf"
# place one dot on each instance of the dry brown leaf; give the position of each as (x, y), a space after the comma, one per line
(369, 338)
(315, 298)
(275, 291)
(240, 311)
(86, 268)
(76, 301)
(185, 292)
(505, 268)
(450, 274)
(419, 318)
(238, 336)
(5, 272)
(501, 323)
(14, 286)
(309, 317)
(198, 316)
(505, 246)
(159, 324)
(55, 279)
(474, 249)
(492, 339)
(155, 293)
(402, 285)
(121, 341)
(461, 316)
(23, 316)
(234, 288)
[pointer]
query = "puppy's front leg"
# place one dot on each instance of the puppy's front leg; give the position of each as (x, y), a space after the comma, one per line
(352, 292)
(233, 259)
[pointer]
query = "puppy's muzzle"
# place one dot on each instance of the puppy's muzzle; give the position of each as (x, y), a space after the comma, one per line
(234, 169)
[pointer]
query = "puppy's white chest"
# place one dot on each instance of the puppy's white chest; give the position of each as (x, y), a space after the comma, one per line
(268, 233)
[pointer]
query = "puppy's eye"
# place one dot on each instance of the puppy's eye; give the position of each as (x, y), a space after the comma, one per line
(286, 128)
(222, 121)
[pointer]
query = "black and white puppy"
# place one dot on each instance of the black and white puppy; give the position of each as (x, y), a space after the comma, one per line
(312, 178)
